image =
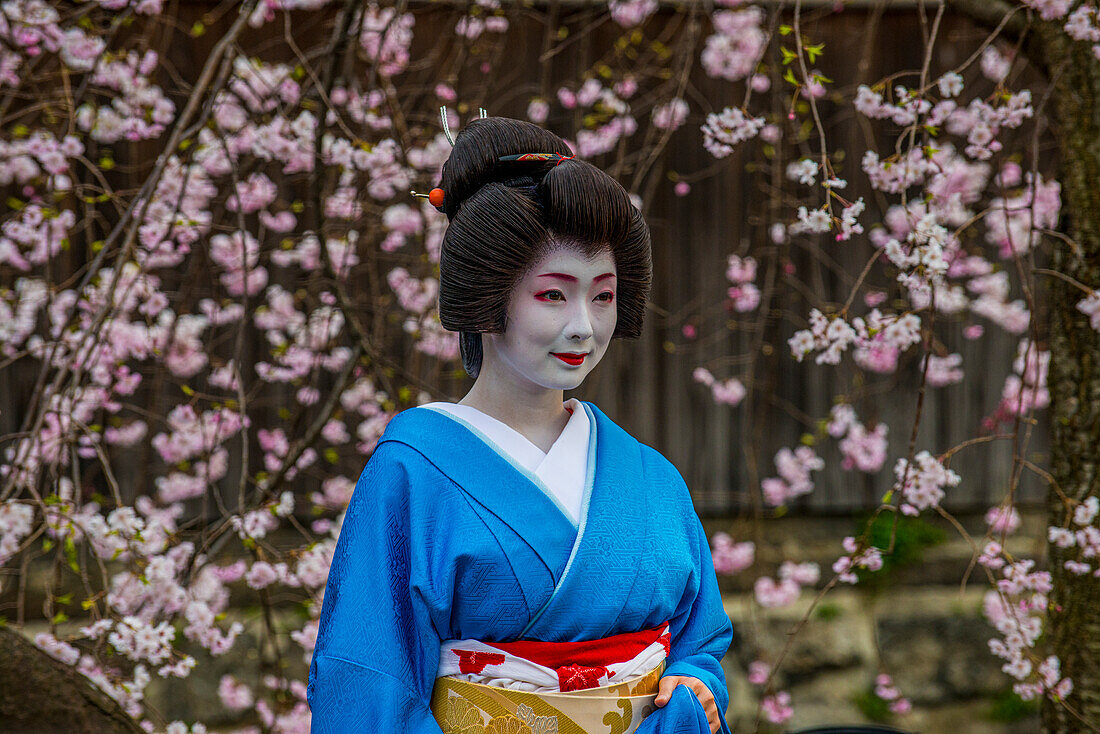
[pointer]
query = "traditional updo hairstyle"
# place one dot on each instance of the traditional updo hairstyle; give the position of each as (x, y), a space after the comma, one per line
(504, 214)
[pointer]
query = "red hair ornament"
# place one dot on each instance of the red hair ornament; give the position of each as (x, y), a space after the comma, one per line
(436, 196)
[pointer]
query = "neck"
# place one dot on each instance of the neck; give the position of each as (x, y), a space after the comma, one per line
(534, 411)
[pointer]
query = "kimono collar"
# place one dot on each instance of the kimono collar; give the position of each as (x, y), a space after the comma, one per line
(502, 487)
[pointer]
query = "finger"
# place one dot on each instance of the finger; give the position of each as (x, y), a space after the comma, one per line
(710, 707)
(703, 694)
(664, 690)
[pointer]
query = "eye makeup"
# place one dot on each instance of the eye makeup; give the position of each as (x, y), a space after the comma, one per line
(545, 295)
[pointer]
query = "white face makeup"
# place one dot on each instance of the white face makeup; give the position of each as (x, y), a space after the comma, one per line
(561, 316)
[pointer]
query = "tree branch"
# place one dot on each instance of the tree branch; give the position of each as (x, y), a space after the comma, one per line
(990, 13)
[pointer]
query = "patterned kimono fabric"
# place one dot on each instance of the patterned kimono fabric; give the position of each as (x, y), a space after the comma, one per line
(464, 598)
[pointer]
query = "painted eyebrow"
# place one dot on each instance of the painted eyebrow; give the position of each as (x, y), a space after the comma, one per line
(573, 279)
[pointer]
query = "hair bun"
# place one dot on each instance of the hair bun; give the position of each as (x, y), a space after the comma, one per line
(475, 158)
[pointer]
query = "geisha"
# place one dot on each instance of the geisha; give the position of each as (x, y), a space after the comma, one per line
(516, 562)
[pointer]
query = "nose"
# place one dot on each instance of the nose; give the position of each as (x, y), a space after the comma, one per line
(579, 327)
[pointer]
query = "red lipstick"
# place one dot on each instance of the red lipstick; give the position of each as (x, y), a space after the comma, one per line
(574, 359)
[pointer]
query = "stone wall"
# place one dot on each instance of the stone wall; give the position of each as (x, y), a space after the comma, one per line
(932, 641)
(917, 622)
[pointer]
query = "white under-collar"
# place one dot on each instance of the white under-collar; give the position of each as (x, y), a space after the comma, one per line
(563, 469)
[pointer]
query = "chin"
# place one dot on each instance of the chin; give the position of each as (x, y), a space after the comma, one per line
(571, 380)
(569, 383)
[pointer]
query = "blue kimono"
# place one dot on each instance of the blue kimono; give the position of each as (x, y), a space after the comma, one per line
(445, 538)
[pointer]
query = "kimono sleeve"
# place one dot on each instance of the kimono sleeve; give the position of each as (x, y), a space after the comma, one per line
(701, 630)
(377, 648)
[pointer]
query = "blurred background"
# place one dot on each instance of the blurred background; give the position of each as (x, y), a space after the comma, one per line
(217, 290)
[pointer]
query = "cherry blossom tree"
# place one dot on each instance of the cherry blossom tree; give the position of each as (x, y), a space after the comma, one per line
(217, 291)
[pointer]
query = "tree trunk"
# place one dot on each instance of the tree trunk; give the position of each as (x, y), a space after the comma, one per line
(39, 695)
(1073, 627)
(1074, 378)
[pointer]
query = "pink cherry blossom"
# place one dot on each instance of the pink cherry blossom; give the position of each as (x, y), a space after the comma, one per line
(725, 130)
(538, 110)
(734, 49)
(729, 557)
(759, 672)
(777, 709)
(629, 13)
(670, 115)
(1003, 520)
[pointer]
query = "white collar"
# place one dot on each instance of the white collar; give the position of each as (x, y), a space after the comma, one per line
(563, 469)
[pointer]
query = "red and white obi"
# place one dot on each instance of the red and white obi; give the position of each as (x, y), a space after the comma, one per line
(529, 665)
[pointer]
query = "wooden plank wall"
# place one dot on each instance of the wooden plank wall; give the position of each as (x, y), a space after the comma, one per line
(649, 390)
(646, 385)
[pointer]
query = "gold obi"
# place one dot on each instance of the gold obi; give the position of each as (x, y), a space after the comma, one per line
(461, 707)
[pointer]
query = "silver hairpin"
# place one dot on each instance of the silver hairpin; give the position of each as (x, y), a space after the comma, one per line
(446, 126)
(481, 111)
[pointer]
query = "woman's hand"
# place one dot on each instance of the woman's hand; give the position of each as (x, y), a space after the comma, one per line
(706, 698)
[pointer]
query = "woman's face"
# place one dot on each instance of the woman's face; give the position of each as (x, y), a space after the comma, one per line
(561, 316)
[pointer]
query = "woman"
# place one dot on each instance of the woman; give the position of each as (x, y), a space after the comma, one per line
(516, 563)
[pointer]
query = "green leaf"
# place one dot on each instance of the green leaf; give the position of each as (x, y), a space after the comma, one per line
(788, 55)
(47, 545)
(785, 30)
(65, 599)
(70, 553)
(187, 390)
(87, 604)
(332, 456)
(198, 29)
(814, 51)
(59, 618)
(807, 439)
(789, 77)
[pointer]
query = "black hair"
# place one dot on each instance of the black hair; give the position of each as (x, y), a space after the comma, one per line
(503, 214)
